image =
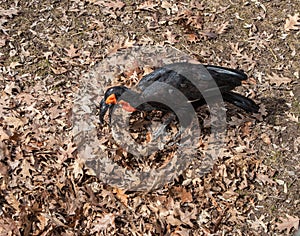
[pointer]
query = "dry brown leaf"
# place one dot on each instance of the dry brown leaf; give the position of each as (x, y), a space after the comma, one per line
(292, 117)
(128, 43)
(3, 169)
(72, 51)
(169, 7)
(103, 223)
(264, 178)
(265, 138)
(10, 12)
(171, 38)
(26, 169)
(292, 23)
(68, 152)
(13, 121)
(12, 201)
(278, 80)
(181, 232)
(187, 216)
(47, 54)
(43, 221)
(147, 6)
(12, 225)
(120, 194)
(78, 168)
(222, 28)
(184, 195)
(246, 129)
(3, 135)
(229, 194)
(115, 5)
(288, 223)
(173, 221)
(166, 5)
(195, 20)
(2, 42)
(14, 64)
(192, 38)
(258, 223)
(59, 70)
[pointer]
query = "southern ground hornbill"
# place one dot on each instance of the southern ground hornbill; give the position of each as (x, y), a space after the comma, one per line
(209, 80)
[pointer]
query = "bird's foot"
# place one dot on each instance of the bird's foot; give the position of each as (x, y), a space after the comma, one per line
(162, 129)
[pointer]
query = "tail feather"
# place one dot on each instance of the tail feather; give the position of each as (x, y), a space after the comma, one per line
(241, 101)
(227, 72)
(226, 78)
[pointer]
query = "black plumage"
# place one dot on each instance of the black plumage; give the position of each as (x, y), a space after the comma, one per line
(162, 83)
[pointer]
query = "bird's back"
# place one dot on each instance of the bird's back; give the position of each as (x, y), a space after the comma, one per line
(191, 79)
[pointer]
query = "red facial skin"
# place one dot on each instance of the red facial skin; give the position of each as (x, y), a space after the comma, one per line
(125, 105)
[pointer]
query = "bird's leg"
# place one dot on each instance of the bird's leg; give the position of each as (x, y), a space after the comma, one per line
(167, 119)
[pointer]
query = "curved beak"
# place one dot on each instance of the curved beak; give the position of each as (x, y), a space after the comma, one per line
(103, 109)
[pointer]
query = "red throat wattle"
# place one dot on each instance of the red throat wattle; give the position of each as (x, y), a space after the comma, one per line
(126, 106)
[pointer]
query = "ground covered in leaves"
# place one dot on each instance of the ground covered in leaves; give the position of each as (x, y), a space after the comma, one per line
(46, 189)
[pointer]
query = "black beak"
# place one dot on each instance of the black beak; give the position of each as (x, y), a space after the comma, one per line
(103, 109)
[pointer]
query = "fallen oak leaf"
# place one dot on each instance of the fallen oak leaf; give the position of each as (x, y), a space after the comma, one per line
(3, 169)
(262, 178)
(147, 6)
(78, 168)
(223, 28)
(10, 12)
(171, 38)
(26, 170)
(169, 7)
(192, 38)
(13, 201)
(72, 51)
(170, 219)
(278, 80)
(14, 64)
(54, 219)
(183, 194)
(13, 121)
(59, 71)
(259, 223)
(42, 220)
(288, 223)
(265, 138)
(120, 194)
(103, 223)
(12, 225)
(187, 216)
(292, 23)
(115, 5)
(2, 42)
(292, 117)
(181, 232)
(128, 43)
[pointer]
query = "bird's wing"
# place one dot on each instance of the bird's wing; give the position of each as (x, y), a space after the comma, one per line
(192, 80)
(181, 76)
(152, 77)
(226, 78)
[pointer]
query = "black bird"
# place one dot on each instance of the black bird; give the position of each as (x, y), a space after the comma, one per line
(212, 80)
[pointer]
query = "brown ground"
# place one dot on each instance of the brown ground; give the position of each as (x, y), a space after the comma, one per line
(46, 190)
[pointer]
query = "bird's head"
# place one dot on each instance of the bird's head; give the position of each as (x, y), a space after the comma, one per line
(111, 98)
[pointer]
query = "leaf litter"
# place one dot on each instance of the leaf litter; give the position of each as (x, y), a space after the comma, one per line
(253, 188)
